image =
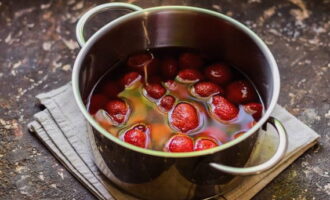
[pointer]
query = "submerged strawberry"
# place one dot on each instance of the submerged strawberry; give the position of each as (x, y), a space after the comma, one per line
(206, 89)
(180, 143)
(139, 60)
(240, 92)
(143, 62)
(204, 143)
(97, 102)
(112, 88)
(218, 73)
(155, 90)
(171, 85)
(130, 78)
(189, 76)
(167, 102)
(136, 137)
(169, 68)
(190, 60)
(255, 109)
(223, 108)
(184, 117)
(118, 110)
(236, 135)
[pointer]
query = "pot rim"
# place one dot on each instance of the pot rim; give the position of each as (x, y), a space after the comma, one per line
(101, 32)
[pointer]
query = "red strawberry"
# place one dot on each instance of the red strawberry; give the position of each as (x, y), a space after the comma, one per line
(136, 137)
(214, 132)
(240, 92)
(204, 143)
(238, 134)
(117, 109)
(180, 143)
(130, 78)
(189, 76)
(112, 88)
(255, 109)
(167, 102)
(223, 109)
(218, 73)
(206, 89)
(184, 117)
(142, 60)
(169, 68)
(139, 60)
(190, 60)
(97, 102)
(155, 90)
(171, 85)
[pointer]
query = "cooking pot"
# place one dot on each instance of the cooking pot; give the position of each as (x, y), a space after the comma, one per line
(150, 174)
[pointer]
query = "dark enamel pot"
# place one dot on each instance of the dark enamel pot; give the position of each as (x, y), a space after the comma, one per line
(150, 174)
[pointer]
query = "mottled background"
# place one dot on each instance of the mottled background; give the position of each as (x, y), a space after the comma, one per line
(38, 48)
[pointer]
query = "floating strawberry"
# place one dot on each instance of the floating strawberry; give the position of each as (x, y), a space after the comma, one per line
(97, 102)
(189, 76)
(118, 110)
(223, 108)
(136, 137)
(240, 92)
(167, 102)
(204, 143)
(139, 60)
(184, 117)
(112, 88)
(218, 73)
(169, 68)
(130, 78)
(236, 135)
(155, 90)
(190, 60)
(255, 109)
(179, 143)
(206, 89)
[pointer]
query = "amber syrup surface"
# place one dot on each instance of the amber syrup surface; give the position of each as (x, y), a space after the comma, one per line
(146, 110)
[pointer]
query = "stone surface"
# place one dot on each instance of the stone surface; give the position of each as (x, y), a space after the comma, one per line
(38, 48)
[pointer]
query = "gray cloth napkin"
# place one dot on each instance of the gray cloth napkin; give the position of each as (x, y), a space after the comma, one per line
(65, 132)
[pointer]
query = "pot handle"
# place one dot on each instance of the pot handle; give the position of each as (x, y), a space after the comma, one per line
(275, 159)
(98, 9)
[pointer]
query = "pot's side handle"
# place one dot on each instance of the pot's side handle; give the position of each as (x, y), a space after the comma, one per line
(275, 159)
(98, 9)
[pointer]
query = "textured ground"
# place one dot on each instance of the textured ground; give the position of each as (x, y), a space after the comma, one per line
(38, 48)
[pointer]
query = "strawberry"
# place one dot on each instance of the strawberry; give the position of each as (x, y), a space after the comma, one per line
(142, 60)
(155, 90)
(112, 88)
(118, 110)
(184, 117)
(130, 78)
(167, 102)
(97, 102)
(136, 137)
(189, 76)
(214, 132)
(180, 143)
(169, 68)
(223, 109)
(236, 135)
(139, 60)
(255, 109)
(240, 92)
(206, 89)
(171, 85)
(190, 60)
(218, 73)
(204, 143)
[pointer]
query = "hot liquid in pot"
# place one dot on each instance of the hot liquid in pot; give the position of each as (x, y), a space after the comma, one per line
(146, 111)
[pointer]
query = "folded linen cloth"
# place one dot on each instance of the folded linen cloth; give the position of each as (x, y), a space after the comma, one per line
(65, 132)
